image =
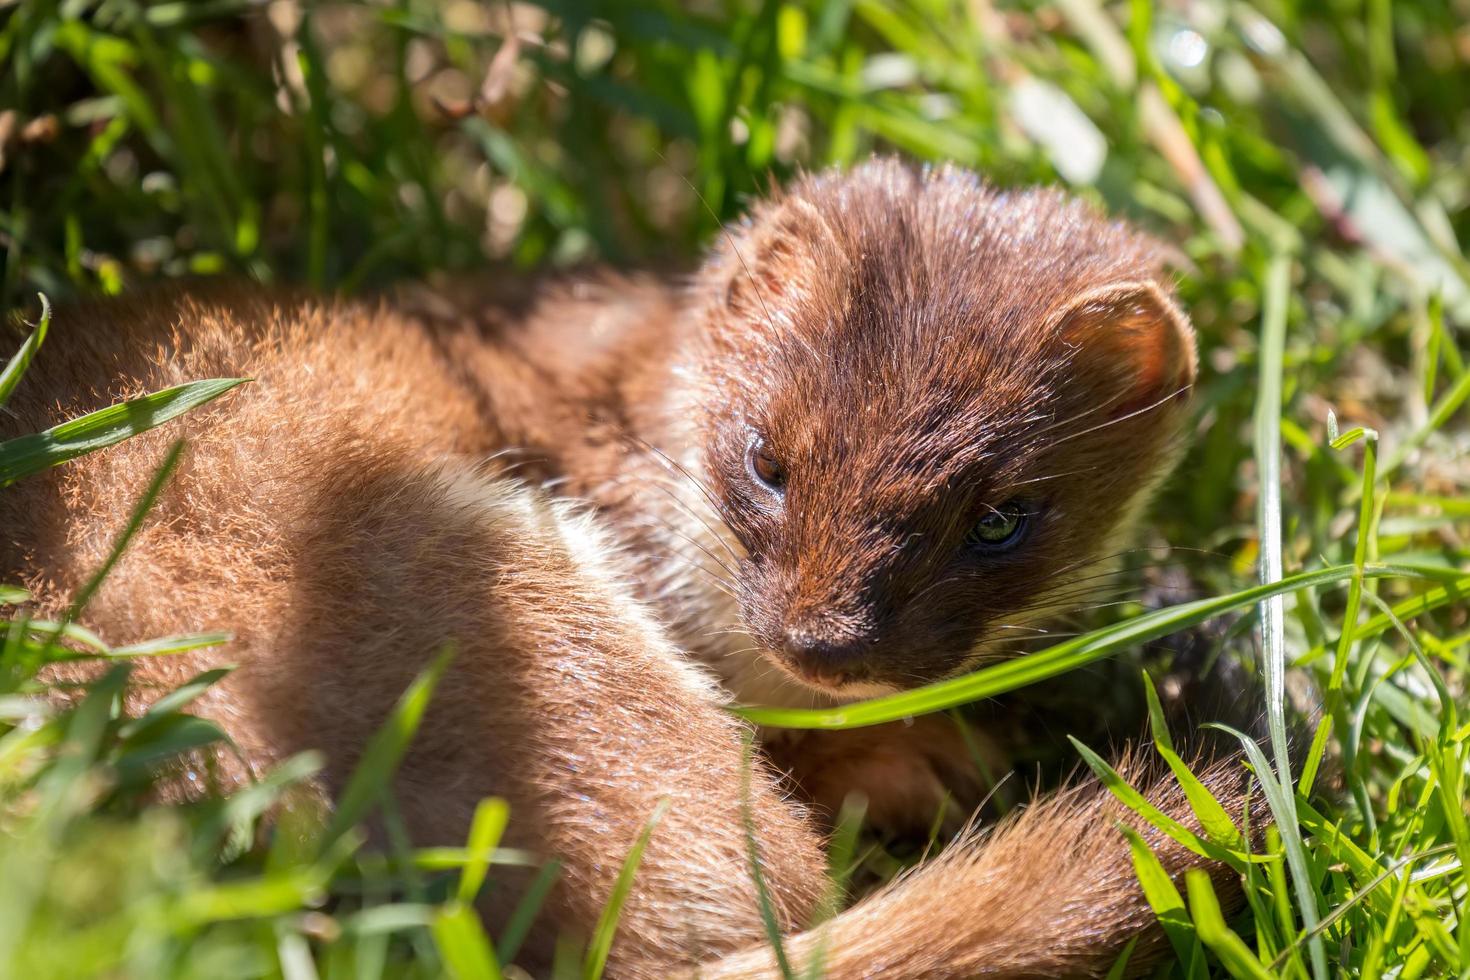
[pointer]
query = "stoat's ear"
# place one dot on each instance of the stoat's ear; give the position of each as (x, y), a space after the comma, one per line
(778, 254)
(1131, 341)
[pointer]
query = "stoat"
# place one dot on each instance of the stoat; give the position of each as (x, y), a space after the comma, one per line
(897, 415)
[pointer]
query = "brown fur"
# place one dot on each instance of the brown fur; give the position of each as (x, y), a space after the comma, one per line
(1049, 893)
(916, 347)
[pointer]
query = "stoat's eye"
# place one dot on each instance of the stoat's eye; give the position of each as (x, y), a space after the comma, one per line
(1001, 529)
(764, 468)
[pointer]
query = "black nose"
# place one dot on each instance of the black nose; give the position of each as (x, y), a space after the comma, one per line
(828, 656)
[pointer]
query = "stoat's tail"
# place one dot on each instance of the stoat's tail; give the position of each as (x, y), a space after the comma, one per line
(1050, 893)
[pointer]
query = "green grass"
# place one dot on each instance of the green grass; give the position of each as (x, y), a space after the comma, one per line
(1310, 161)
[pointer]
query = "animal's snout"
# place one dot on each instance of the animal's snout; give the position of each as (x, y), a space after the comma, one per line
(828, 650)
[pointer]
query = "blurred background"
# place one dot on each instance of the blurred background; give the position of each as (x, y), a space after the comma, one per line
(346, 143)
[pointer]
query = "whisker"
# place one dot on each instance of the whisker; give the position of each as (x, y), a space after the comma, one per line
(727, 586)
(1055, 476)
(734, 248)
(674, 467)
(932, 586)
(648, 522)
(684, 506)
(1122, 418)
(727, 631)
(718, 537)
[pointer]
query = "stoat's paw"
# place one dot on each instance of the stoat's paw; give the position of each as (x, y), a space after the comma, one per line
(914, 775)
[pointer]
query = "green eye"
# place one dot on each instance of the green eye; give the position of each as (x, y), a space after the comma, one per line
(1000, 529)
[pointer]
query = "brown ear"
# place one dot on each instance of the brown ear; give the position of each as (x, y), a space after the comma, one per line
(777, 255)
(1132, 339)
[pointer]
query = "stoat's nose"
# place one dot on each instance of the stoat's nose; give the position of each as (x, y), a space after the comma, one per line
(828, 651)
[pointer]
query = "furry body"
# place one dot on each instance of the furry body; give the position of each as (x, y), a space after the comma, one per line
(557, 483)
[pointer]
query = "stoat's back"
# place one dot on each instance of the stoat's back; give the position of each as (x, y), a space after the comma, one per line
(328, 376)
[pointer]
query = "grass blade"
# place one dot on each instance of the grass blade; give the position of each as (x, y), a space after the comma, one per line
(461, 941)
(1217, 824)
(16, 366)
(489, 823)
(1054, 660)
(518, 926)
(1268, 462)
(236, 815)
(1139, 804)
(166, 646)
(30, 454)
(1346, 637)
(273, 894)
(173, 702)
(1119, 969)
(373, 777)
(1291, 840)
(1209, 922)
(607, 922)
(1273, 608)
(135, 521)
(1162, 896)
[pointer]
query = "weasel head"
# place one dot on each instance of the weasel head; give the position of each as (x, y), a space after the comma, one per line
(930, 411)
